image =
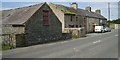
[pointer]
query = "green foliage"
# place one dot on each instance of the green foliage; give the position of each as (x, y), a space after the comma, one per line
(75, 36)
(6, 47)
(70, 13)
(117, 21)
(0, 47)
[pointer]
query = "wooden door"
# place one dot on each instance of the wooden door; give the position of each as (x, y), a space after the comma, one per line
(20, 40)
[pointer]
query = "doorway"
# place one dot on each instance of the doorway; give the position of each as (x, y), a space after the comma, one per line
(20, 40)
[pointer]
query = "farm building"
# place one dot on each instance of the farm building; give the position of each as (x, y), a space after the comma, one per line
(47, 22)
(30, 25)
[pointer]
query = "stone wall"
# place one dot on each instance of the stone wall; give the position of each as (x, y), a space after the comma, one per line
(37, 33)
(9, 29)
(114, 26)
(77, 21)
(91, 22)
(59, 14)
(117, 26)
(9, 34)
(66, 36)
(76, 32)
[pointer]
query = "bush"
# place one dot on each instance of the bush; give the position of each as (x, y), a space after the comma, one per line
(6, 47)
(75, 36)
(70, 13)
(117, 21)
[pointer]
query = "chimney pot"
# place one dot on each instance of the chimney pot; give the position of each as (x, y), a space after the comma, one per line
(88, 8)
(98, 11)
(74, 5)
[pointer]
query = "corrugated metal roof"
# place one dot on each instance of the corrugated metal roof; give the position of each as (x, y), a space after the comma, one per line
(19, 15)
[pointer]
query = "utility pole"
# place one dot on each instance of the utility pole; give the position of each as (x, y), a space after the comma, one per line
(108, 13)
(108, 10)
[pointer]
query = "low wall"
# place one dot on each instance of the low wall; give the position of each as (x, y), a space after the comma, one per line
(117, 26)
(70, 33)
(114, 26)
(66, 36)
(75, 32)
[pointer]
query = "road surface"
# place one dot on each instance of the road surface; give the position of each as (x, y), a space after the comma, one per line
(95, 45)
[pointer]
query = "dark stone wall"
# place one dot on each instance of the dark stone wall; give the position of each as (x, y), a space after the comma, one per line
(36, 32)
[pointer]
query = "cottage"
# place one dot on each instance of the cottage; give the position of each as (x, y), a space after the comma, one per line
(93, 19)
(30, 25)
(74, 17)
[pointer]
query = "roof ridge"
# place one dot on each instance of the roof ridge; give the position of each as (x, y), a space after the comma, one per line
(85, 12)
(67, 6)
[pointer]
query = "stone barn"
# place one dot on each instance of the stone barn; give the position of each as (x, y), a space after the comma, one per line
(30, 25)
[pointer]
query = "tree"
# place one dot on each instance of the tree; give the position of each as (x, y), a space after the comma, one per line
(117, 21)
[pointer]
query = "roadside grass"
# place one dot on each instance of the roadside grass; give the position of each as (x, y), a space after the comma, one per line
(6, 47)
(75, 36)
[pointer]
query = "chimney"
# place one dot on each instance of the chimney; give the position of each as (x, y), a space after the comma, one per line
(74, 5)
(88, 8)
(98, 11)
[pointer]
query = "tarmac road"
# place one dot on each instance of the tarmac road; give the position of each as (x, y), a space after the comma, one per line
(95, 45)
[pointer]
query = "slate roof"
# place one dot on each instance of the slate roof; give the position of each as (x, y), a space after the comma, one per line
(19, 15)
(78, 11)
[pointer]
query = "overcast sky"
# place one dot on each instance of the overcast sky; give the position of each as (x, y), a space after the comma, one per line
(102, 5)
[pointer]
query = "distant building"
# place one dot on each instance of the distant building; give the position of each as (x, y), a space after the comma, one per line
(47, 22)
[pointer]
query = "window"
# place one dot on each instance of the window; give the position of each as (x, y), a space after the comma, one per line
(76, 18)
(71, 18)
(80, 26)
(84, 18)
(77, 26)
(71, 26)
(46, 21)
(18, 26)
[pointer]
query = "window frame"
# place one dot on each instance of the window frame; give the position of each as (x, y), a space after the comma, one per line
(71, 18)
(46, 17)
